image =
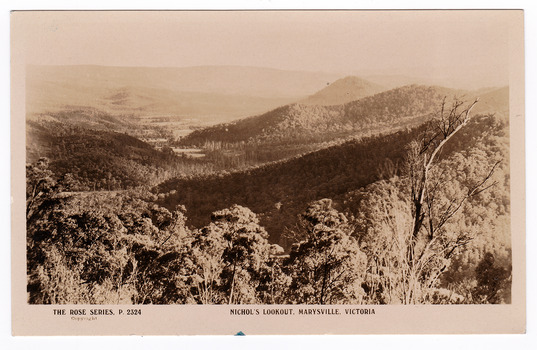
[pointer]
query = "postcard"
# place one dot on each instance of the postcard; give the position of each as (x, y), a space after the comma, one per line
(267, 172)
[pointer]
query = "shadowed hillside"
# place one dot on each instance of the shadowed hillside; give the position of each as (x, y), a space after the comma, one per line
(278, 192)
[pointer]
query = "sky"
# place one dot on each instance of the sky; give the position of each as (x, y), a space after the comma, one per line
(426, 43)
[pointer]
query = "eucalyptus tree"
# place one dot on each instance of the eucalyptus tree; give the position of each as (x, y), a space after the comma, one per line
(326, 266)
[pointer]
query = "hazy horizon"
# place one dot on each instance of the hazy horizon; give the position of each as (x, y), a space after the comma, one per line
(467, 46)
(404, 78)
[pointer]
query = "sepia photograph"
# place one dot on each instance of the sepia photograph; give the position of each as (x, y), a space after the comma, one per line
(267, 170)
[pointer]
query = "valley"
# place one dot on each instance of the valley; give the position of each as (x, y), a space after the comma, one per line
(177, 164)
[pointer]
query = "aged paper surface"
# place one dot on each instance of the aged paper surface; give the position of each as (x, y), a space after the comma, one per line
(118, 216)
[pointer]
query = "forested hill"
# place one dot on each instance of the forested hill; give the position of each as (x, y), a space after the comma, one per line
(301, 123)
(93, 152)
(279, 192)
(88, 118)
(342, 91)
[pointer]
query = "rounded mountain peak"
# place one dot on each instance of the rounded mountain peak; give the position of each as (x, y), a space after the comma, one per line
(344, 90)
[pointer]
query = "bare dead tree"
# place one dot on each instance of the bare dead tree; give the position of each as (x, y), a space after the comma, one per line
(427, 245)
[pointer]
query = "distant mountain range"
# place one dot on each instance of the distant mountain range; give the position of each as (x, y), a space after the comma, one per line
(205, 94)
(208, 93)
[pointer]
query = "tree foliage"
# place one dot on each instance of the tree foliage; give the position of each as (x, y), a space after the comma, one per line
(229, 257)
(326, 265)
